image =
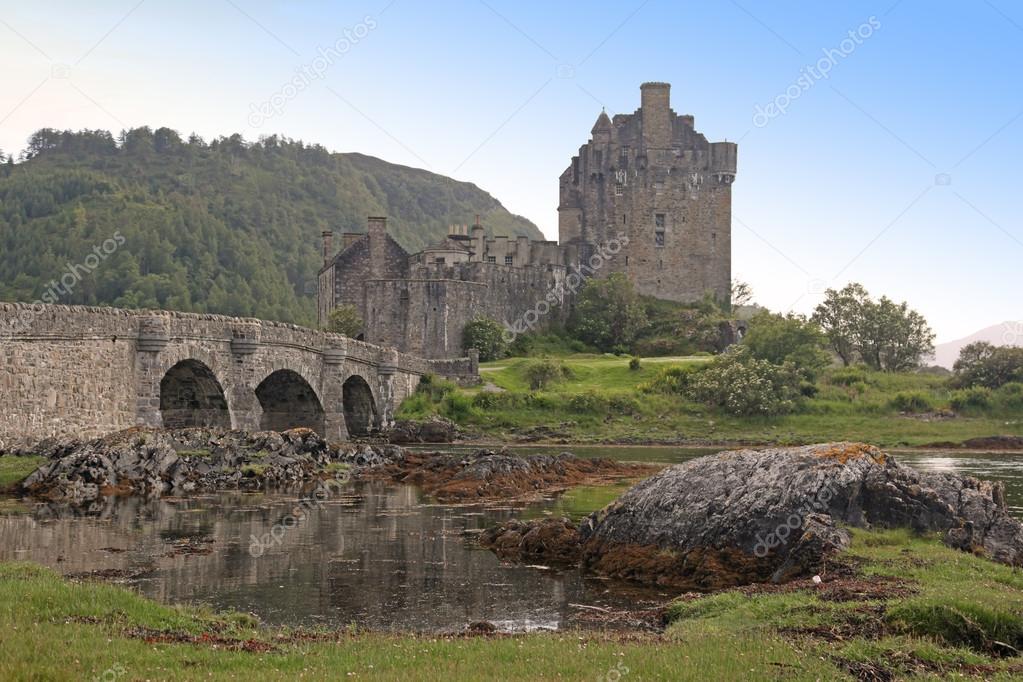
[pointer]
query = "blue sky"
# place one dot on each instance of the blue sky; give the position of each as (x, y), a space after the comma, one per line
(899, 169)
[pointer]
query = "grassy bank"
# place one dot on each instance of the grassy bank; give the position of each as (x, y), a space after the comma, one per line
(16, 469)
(915, 609)
(601, 399)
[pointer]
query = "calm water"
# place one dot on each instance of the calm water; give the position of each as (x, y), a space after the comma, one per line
(378, 555)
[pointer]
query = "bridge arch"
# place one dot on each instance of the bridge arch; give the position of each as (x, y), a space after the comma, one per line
(359, 406)
(191, 395)
(288, 401)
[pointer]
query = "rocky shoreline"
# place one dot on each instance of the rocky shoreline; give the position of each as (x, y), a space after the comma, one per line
(772, 515)
(154, 462)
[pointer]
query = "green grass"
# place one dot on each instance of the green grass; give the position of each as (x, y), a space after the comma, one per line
(16, 469)
(199, 454)
(254, 470)
(603, 401)
(941, 622)
(58, 630)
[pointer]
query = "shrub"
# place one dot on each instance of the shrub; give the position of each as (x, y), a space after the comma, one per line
(671, 380)
(911, 401)
(976, 398)
(787, 338)
(608, 313)
(457, 406)
(543, 372)
(848, 376)
(487, 337)
(743, 385)
(634, 364)
(434, 387)
(345, 319)
(1010, 396)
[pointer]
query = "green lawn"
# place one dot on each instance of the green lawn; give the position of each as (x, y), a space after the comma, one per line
(15, 469)
(603, 401)
(944, 617)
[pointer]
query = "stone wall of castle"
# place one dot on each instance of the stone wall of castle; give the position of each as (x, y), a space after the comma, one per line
(652, 177)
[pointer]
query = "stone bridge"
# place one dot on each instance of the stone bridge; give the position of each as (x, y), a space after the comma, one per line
(82, 371)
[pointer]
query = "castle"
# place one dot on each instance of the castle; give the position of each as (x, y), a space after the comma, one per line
(647, 196)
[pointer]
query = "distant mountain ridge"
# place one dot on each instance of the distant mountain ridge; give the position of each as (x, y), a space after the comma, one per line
(1008, 333)
(227, 226)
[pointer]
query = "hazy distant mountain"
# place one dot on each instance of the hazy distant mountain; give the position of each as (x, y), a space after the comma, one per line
(1004, 334)
(226, 226)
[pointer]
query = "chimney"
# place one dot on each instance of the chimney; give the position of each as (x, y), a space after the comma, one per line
(328, 246)
(377, 231)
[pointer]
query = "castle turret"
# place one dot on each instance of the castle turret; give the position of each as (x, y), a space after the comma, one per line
(723, 161)
(656, 111)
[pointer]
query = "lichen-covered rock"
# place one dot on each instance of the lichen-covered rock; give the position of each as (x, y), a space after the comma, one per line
(771, 515)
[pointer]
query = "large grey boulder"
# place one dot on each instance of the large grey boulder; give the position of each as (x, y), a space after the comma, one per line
(770, 515)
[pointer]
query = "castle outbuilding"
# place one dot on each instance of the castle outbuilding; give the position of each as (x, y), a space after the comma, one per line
(647, 196)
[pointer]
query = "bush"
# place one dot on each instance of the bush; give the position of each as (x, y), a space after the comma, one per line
(457, 406)
(743, 385)
(608, 313)
(976, 398)
(671, 380)
(848, 376)
(911, 401)
(543, 372)
(634, 364)
(434, 387)
(487, 337)
(787, 338)
(345, 319)
(1010, 396)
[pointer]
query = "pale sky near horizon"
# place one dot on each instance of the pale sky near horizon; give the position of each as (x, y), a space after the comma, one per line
(899, 169)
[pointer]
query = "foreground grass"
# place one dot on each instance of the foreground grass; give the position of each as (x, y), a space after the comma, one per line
(949, 615)
(603, 401)
(53, 629)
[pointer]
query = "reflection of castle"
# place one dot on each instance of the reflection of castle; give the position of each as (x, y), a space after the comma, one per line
(647, 182)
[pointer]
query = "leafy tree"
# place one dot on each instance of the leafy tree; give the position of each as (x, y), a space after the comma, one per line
(544, 371)
(345, 319)
(742, 293)
(787, 338)
(839, 316)
(987, 365)
(486, 336)
(608, 314)
(882, 334)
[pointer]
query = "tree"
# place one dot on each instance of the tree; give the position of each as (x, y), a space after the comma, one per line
(839, 317)
(608, 314)
(345, 319)
(742, 293)
(984, 364)
(885, 335)
(787, 338)
(486, 336)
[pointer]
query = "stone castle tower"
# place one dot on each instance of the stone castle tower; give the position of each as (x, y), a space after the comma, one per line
(652, 177)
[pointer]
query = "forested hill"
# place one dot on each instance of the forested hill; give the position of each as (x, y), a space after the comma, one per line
(227, 226)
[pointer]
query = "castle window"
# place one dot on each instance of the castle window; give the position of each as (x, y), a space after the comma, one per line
(659, 221)
(619, 189)
(438, 261)
(659, 238)
(508, 260)
(491, 259)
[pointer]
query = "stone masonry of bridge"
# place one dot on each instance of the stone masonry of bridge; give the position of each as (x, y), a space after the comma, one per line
(86, 372)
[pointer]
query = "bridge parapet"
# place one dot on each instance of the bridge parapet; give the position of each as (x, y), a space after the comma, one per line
(86, 371)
